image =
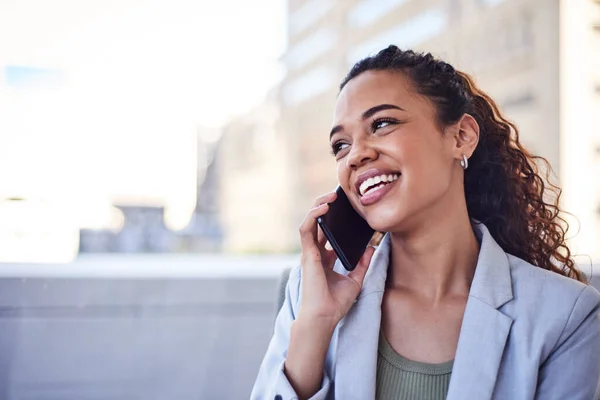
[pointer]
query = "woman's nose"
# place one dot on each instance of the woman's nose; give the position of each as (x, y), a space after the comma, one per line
(360, 154)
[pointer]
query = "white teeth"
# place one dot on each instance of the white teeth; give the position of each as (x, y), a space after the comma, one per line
(363, 187)
(372, 183)
(374, 188)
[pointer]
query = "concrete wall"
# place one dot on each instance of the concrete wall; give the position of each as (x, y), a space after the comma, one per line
(136, 327)
(101, 337)
(132, 339)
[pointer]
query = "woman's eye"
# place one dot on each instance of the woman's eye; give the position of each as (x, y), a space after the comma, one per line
(337, 147)
(381, 123)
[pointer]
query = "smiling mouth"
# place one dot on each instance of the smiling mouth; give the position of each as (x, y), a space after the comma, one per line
(376, 182)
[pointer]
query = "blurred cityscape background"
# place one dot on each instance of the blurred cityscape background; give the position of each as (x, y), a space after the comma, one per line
(146, 126)
(198, 130)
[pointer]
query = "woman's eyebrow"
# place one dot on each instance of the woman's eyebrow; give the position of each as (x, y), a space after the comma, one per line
(367, 114)
(373, 110)
(335, 129)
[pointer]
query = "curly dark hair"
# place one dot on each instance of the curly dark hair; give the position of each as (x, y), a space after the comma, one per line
(504, 187)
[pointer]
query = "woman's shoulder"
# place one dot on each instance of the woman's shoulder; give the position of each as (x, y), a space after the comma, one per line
(545, 298)
(551, 313)
(528, 278)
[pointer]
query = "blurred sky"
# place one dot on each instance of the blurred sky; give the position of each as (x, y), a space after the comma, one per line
(130, 82)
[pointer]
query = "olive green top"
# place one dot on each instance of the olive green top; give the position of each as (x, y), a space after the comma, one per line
(399, 378)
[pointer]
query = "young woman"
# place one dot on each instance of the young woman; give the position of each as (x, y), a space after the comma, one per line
(471, 294)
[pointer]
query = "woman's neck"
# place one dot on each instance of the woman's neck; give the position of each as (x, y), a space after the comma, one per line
(437, 260)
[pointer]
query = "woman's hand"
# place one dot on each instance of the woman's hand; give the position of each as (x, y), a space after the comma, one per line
(326, 298)
(326, 295)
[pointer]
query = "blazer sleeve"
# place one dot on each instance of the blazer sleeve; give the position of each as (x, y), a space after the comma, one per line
(272, 383)
(572, 370)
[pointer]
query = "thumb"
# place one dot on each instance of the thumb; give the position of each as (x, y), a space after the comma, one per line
(358, 275)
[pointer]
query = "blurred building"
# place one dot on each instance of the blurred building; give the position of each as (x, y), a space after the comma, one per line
(143, 228)
(537, 58)
(143, 231)
(255, 182)
(579, 106)
(204, 233)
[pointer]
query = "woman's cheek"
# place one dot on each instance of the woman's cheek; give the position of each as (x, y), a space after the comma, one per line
(343, 172)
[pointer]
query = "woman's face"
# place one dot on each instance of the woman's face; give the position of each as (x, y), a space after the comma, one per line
(384, 130)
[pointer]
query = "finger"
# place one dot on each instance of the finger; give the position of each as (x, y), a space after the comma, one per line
(329, 258)
(327, 253)
(326, 198)
(358, 274)
(321, 238)
(308, 231)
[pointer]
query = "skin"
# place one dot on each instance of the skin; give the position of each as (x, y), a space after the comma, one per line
(433, 248)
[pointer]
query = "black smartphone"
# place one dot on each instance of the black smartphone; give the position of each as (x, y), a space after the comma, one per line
(347, 232)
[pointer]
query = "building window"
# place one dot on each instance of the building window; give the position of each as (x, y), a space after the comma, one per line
(368, 11)
(501, 42)
(455, 10)
(310, 48)
(308, 14)
(490, 3)
(314, 82)
(407, 35)
(518, 100)
(526, 31)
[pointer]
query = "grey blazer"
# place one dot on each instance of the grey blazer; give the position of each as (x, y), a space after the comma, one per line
(527, 333)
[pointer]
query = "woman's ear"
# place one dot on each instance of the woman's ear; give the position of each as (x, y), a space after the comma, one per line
(466, 136)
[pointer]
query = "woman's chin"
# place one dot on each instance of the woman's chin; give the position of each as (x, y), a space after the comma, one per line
(382, 223)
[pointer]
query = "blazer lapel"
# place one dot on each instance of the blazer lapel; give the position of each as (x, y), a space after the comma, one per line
(484, 329)
(482, 339)
(358, 334)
